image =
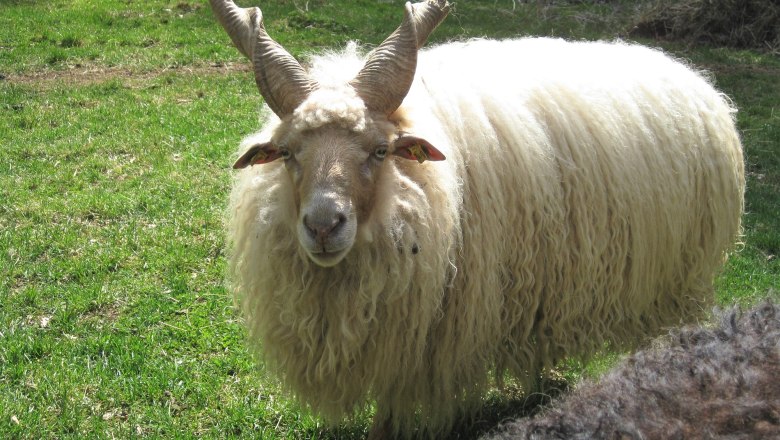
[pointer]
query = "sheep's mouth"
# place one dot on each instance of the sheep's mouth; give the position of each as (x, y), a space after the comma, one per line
(327, 258)
(326, 242)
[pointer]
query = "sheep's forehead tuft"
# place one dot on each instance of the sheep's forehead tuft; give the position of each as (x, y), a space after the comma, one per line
(339, 106)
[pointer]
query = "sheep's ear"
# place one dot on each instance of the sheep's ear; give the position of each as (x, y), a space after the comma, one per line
(258, 154)
(415, 148)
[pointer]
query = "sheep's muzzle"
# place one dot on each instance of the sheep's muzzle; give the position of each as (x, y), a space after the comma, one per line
(327, 228)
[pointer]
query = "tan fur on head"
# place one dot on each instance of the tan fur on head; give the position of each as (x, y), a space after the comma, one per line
(589, 196)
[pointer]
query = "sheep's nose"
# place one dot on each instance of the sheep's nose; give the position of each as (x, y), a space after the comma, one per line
(321, 228)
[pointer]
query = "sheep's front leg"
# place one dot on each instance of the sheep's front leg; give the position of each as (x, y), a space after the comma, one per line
(380, 428)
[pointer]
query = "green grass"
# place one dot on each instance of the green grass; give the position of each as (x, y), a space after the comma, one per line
(118, 120)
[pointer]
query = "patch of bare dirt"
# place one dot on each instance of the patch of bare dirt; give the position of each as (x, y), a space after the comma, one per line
(87, 75)
(733, 23)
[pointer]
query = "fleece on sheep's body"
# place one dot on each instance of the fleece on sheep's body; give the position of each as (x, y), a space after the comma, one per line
(589, 195)
(697, 383)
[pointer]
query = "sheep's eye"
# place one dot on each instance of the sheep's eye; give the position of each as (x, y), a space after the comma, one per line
(285, 153)
(380, 152)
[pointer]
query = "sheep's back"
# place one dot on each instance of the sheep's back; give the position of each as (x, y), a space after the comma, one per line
(602, 186)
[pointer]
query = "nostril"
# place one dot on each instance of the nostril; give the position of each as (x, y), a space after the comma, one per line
(309, 228)
(336, 223)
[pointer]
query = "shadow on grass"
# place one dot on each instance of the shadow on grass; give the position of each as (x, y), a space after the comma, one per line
(499, 407)
(508, 405)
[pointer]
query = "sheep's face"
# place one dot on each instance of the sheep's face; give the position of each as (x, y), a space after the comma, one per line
(336, 139)
(335, 169)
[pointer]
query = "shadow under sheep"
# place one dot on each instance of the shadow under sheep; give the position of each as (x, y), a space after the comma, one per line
(720, 382)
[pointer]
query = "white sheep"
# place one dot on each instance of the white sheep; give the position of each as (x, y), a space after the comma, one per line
(696, 383)
(589, 195)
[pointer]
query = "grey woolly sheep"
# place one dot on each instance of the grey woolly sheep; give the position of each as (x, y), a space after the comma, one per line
(699, 383)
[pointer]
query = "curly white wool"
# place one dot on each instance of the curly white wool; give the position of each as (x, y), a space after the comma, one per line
(590, 194)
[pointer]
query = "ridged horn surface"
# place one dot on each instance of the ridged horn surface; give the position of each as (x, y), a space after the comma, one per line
(388, 74)
(280, 78)
(427, 16)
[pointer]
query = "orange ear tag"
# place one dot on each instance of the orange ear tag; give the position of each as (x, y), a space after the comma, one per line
(418, 153)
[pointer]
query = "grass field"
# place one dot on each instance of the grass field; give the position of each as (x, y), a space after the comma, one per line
(118, 121)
